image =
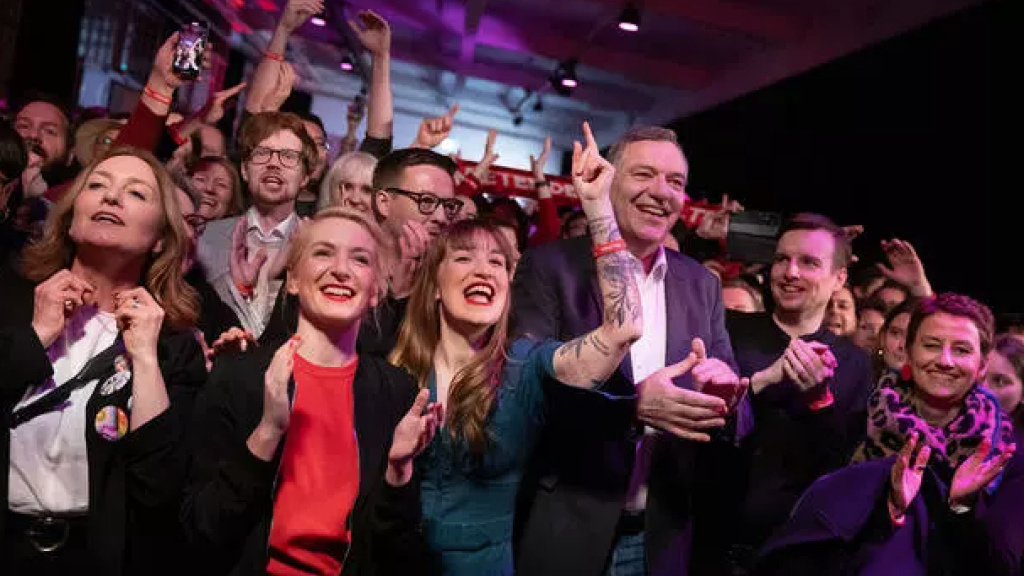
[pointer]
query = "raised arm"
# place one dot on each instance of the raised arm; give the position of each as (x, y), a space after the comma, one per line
(589, 360)
(295, 14)
(375, 35)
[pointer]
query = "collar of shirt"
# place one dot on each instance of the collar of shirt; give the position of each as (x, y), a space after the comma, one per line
(658, 271)
(276, 235)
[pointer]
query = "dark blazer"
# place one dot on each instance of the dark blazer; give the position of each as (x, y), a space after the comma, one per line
(135, 483)
(841, 526)
(229, 500)
(573, 497)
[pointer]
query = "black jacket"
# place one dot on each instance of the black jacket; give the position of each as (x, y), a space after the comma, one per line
(573, 496)
(135, 483)
(229, 500)
(790, 445)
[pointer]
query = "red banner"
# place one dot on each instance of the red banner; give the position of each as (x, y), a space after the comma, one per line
(511, 182)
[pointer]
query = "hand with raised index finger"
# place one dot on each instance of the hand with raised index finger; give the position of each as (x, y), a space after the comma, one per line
(592, 175)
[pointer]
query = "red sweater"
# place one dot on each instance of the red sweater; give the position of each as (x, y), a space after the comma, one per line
(319, 478)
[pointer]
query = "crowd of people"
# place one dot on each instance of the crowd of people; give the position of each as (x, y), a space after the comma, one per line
(247, 353)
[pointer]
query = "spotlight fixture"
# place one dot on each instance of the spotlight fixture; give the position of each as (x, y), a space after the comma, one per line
(538, 106)
(517, 120)
(563, 79)
(629, 19)
(347, 64)
(318, 20)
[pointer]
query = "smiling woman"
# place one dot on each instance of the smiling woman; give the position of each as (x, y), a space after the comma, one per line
(98, 383)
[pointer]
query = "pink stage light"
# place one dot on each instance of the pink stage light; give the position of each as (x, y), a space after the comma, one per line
(318, 21)
(628, 27)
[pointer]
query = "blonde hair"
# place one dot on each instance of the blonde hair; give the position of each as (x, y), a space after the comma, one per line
(474, 388)
(382, 262)
(162, 274)
(345, 164)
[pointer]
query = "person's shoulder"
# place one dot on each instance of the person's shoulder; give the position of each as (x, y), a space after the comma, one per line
(386, 374)
(682, 266)
(218, 231)
(843, 347)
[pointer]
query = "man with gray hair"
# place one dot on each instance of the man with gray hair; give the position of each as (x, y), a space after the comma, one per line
(612, 486)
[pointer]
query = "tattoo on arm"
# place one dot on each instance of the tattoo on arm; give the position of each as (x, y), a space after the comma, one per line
(576, 346)
(603, 229)
(621, 302)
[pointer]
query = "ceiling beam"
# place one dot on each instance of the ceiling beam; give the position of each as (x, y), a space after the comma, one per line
(746, 18)
(600, 96)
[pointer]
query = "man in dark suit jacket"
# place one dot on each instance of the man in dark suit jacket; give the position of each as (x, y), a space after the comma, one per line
(604, 492)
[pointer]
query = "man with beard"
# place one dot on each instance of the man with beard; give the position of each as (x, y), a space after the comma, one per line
(46, 129)
(808, 393)
(244, 257)
(615, 479)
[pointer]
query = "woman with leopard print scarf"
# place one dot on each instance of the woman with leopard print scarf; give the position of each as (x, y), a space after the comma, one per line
(935, 488)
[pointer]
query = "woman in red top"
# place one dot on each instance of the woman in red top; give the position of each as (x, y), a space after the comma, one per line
(295, 471)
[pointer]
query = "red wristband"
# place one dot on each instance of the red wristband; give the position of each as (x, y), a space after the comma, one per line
(156, 95)
(273, 56)
(823, 400)
(245, 291)
(607, 248)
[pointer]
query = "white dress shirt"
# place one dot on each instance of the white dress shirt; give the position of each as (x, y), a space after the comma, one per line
(647, 356)
(49, 470)
(254, 313)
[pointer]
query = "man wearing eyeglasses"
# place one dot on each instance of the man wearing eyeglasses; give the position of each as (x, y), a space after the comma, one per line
(244, 257)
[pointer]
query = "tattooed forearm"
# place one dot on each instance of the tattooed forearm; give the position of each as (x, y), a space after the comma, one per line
(603, 229)
(575, 347)
(618, 287)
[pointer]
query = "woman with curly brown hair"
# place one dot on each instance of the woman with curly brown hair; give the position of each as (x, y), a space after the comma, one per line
(100, 369)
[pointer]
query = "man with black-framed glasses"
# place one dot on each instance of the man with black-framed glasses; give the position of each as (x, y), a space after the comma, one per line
(244, 257)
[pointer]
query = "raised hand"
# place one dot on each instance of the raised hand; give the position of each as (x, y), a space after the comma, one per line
(56, 300)
(591, 174)
(296, 12)
(139, 318)
(906, 474)
(483, 168)
(162, 78)
(433, 131)
(244, 272)
(412, 436)
(976, 472)
(905, 267)
(715, 226)
(537, 164)
(412, 244)
(214, 109)
(678, 411)
(234, 339)
(373, 32)
(277, 408)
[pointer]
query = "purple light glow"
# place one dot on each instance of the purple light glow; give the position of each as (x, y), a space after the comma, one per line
(346, 66)
(318, 21)
(628, 26)
(569, 82)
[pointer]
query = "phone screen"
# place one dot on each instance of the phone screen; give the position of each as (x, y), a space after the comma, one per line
(189, 51)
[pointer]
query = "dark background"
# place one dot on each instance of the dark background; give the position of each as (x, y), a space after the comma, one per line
(915, 138)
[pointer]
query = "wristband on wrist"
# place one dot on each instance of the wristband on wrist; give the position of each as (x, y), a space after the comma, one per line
(617, 245)
(541, 183)
(156, 95)
(246, 291)
(273, 56)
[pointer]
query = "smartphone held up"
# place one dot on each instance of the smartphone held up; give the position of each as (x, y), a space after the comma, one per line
(193, 40)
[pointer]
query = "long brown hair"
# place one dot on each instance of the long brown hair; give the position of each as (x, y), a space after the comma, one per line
(474, 388)
(162, 274)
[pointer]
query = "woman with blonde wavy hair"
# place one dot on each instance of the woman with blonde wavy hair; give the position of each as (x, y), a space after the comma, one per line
(454, 341)
(100, 369)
